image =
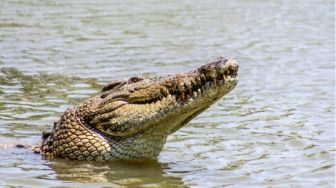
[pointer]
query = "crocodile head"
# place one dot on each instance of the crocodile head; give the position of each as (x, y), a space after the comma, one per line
(153, 108)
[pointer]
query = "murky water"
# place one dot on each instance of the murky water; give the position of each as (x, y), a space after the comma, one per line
(276, 128)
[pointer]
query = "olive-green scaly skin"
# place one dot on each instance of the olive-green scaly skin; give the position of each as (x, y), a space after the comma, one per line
(132, 118)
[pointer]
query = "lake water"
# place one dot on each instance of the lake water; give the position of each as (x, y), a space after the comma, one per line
(276, 129)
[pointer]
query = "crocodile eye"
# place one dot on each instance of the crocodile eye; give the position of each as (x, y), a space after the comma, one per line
(134, 79)
(113, 84)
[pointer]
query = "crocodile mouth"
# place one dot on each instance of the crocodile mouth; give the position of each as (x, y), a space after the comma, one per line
(208, 83)
(205, 84)
(199, 81)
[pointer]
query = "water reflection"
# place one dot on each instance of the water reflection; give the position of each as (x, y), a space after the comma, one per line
(123, 173)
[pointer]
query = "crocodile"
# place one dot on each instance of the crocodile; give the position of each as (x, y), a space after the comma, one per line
(131, 119)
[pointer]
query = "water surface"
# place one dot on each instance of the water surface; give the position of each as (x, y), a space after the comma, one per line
(275, 129)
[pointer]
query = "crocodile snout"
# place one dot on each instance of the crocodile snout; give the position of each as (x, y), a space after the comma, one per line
(220, 67)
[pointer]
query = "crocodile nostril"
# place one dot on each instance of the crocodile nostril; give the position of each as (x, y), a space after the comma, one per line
(233, 65)
(135, 79)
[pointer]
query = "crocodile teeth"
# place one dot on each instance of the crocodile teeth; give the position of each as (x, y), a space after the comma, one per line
(183, 95)
(224, 77)
(215, 81)
(195, 94)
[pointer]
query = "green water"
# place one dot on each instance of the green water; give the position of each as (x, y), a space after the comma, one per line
(276, 129)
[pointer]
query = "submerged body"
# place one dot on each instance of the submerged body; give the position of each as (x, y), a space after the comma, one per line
(132, 118)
